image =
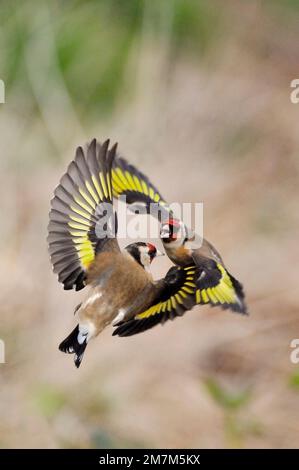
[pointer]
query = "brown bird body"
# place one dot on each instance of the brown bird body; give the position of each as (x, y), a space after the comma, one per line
(118, 285)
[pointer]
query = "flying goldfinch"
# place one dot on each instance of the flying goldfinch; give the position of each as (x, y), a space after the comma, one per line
(84, 252)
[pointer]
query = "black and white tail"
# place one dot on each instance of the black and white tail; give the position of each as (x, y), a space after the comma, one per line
(76, 344)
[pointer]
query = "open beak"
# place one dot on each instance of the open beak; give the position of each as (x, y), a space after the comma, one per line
(159, 253)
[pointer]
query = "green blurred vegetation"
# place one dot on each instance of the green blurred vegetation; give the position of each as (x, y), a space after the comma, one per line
(233, 404)
(227, 400)
(95, 43)
(91, 408)
(285, 5)
(294, 380)
(48, 400)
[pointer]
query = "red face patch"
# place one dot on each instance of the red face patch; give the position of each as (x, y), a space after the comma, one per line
(172, 222)
(151, 248)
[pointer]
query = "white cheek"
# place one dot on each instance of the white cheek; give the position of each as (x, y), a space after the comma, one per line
(145, 260)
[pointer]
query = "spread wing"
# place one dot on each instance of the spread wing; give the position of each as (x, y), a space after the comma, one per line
(81, 216)
(139, 191)
(176, 296)
(217, 287)
(182, 289)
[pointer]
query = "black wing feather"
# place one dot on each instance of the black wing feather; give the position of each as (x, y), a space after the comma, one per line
(128, 181)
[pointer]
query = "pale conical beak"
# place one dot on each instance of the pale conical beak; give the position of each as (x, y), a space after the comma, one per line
(159, 253)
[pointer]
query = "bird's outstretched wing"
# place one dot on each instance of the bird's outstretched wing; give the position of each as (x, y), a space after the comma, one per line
(177, 294)
(182, 289)
(128, 181)
(217, 287)
(81, 217)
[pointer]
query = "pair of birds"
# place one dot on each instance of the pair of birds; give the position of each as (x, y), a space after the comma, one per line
(84, 251)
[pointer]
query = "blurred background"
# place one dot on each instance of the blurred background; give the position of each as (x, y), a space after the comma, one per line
(197, 93)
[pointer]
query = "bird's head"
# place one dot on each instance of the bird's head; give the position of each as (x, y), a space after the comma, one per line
(173, 231)
(143, 253)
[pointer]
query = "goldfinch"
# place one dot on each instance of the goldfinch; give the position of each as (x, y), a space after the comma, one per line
(215, 285)
(84, 252)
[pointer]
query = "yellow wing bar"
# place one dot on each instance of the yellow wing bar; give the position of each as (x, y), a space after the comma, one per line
(176, 296)
(128, 181)
(220, 288)
(75, 211)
